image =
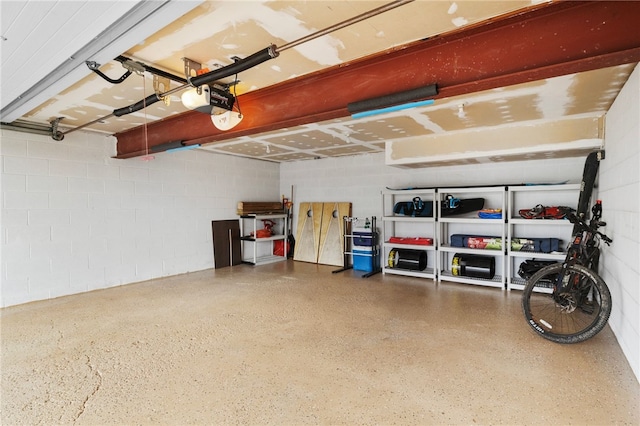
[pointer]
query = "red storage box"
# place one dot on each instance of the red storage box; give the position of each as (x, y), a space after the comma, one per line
(421, 241)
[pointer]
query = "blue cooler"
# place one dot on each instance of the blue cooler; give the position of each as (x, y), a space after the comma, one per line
(363, 259)
(363, 238)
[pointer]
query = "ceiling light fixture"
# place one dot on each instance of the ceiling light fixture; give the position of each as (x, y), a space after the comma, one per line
(227, 120)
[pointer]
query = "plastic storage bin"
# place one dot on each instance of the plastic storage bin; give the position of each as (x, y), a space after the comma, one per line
(363, 259)
(364, 238)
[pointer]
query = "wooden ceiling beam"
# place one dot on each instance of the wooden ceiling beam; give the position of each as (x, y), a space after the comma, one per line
(542, 42)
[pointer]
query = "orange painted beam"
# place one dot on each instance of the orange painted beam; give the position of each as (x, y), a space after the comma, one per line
(542, 42)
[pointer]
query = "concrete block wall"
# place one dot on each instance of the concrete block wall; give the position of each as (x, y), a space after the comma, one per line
(74, 219)
(619, 189)
(360, 179)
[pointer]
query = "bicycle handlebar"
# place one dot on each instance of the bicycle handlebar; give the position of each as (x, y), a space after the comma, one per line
(595, 224)
(605, 238)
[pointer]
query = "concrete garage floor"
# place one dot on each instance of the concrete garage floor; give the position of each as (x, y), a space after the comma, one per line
(291, 344)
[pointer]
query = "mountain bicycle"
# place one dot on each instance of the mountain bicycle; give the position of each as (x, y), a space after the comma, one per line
(569, 302)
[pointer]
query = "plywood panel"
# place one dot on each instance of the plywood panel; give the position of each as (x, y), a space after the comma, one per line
(332, 233)
(308, 232)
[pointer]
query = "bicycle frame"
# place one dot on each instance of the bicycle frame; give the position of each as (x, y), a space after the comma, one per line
(584, 248)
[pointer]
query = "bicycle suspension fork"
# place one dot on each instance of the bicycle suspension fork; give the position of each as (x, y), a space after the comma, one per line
(564, 282)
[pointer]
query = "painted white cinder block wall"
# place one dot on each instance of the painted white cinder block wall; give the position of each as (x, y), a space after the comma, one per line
(74, 219)
(619, 189)
(360, 179)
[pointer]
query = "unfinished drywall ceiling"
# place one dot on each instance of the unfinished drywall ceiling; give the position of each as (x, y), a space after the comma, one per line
(552, 41)
(215, 32)
(428, 131)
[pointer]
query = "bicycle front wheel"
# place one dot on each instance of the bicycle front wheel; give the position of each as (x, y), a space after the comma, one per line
(572, 317)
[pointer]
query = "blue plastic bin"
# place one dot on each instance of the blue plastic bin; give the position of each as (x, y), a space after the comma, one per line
(363, 239)
(363, 260)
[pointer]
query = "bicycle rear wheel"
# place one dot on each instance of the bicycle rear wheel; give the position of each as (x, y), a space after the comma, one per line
(573, 317)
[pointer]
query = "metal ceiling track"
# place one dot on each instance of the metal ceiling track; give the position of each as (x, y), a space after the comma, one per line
(140, 12)
(27, 127)
(545, 41)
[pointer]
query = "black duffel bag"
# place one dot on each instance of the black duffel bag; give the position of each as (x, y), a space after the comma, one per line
(415, 208)
(531, 266)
